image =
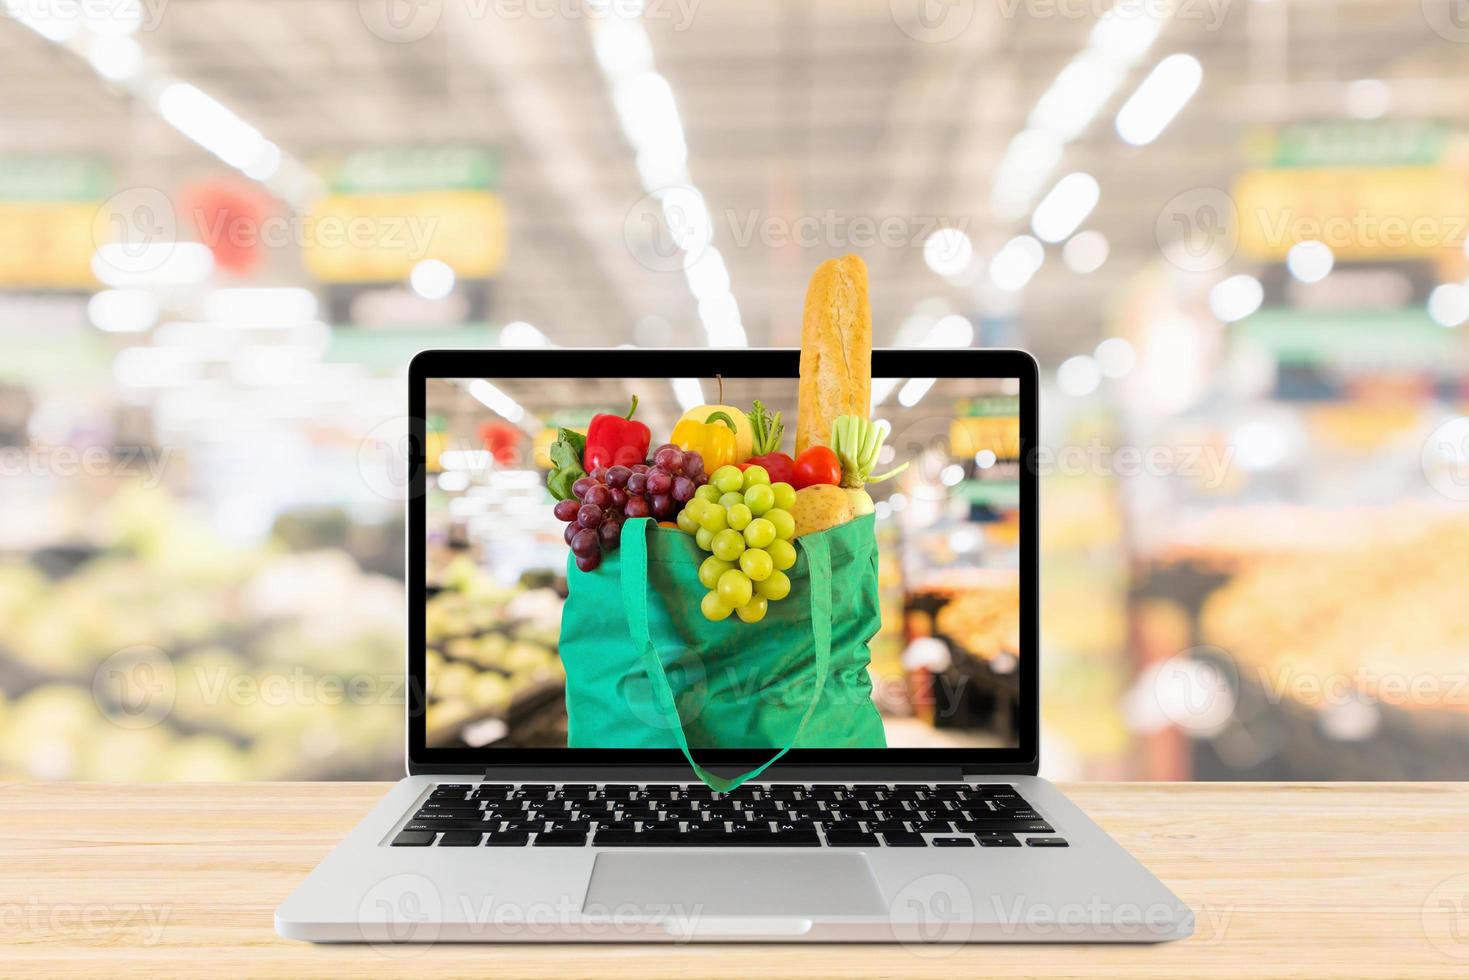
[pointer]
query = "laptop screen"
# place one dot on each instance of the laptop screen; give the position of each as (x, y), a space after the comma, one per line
(624, 563)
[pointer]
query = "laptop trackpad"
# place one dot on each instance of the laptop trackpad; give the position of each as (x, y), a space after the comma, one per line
(690, 885)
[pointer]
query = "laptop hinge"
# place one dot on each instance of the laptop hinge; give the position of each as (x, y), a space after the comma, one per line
(682, 774)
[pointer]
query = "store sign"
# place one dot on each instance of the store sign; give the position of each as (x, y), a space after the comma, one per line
(1392, 213)
(391, 208)
(48, 214)
(379, 238)
(1407, 142)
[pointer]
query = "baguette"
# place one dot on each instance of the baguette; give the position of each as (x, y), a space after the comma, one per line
(836, 350)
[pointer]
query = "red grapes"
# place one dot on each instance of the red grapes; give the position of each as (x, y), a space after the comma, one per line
(607, 496)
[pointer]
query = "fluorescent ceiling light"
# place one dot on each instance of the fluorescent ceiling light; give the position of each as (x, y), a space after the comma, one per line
(1236, 298)
(123, 310)
(622, 47)
(157, 263)
(688, 392)
(1064, 209)
(1076, 96)
(275, 307)
(912, 393)
(1448, 304)
(115, 58)
(1015, 263)
(1127, 30)
(432, 279)
(1028, 161)
(1078, 376)
(953, 330)
(1085, 252)
(881, 388)
(496, 400)
(518, 333)
(1114, 357)
(1166, 90)
(948, 252)
(1309, 261)
(209, 123)
(53, 22)
(706, 273)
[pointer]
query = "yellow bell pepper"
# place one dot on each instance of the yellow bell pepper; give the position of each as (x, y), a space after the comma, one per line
(713, 439)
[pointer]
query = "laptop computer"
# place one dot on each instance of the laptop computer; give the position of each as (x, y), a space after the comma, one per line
(567, 782)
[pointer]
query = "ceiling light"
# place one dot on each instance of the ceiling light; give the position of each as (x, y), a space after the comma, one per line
(1078, 376)
(951, 331)
(688, 392)
(276, 307)
(156, 263)
(912, 393)
(1449, 304)
(496, 400)
(622, 47)
(1367, 98)
(1236, 298)
(518, 333)
(1114, 357)
(209, 123)
(46, 20)
(1022, 172)
(115, 58)
(115, 19)
(1015, 263)
(706, 273)
(1127, 30)
(1076, 96)
(123, 310)
(432, 279)
(948, 251)
(1309, 261)
(1064, 209)
(1085, 252)
(881, 388)
(1166, 90)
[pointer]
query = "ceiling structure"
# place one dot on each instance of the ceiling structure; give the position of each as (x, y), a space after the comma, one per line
(809, 125)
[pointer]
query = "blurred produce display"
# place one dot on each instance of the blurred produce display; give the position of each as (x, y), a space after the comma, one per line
(161, 651)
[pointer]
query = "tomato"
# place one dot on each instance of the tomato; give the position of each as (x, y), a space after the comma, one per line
(817, 465)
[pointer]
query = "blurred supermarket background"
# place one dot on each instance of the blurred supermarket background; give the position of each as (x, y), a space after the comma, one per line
(1232, 231)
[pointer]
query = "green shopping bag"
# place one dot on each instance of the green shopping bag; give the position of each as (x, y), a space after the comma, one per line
(645, 669)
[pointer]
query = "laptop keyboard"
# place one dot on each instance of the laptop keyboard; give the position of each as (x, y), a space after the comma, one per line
(759, 815)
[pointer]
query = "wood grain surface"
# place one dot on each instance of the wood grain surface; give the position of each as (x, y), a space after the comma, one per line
(1287, 880)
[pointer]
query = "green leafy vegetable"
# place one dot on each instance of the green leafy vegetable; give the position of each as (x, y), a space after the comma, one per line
(857, 441)
(566, 453)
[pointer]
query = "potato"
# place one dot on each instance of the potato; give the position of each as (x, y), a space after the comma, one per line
(820, 507)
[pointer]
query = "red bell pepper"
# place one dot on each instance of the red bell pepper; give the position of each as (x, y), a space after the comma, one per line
(782, 468)
(616, 440)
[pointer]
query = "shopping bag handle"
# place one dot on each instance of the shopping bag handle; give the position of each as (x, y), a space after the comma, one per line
(634, 562)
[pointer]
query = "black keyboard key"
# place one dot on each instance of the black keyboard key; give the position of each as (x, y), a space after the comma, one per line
(889, 826)
(997, 840)
(933, 827)
(453, 788)
(842, 837)
(517, 838)
(461, 838)
(1006, 825)
(448, 821)
(466, 806)
(953, 842)
(894, 839)
(561, 838)
(1046, 842)
(639, 838)
(414, 838)
(620, 791)
(496, 790)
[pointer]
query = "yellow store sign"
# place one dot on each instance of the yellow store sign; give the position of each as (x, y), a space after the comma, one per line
(380, 237)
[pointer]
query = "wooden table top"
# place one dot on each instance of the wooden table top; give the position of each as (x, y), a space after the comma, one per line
(1301, 879)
